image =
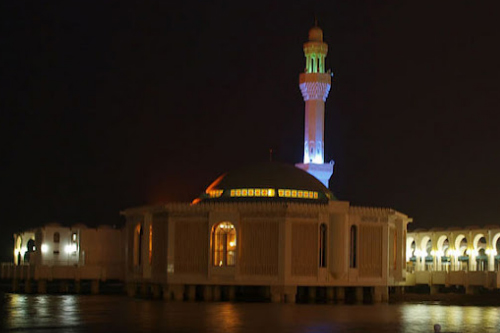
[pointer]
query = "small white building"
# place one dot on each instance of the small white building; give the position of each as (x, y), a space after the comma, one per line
(55, 252)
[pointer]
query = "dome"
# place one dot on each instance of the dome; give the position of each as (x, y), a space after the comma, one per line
(267, 182)
(316, 34)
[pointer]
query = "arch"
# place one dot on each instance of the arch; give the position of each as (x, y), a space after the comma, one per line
(424, 244)
(494, 241)
(441, 242)
(353, 247)
(495, 245)
(476, 240)
(224, 244)
(322, 244)
(17, 250)
(410, 247)
(458, 242)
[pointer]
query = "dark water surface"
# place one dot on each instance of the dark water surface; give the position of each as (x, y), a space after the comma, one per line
(72, 313)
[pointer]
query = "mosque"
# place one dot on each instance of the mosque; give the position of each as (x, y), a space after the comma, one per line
(271, 227)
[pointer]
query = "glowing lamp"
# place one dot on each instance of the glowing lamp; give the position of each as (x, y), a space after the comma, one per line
(45, 248)
(71, 248)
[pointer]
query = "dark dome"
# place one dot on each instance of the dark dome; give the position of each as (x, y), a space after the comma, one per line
(267, 182)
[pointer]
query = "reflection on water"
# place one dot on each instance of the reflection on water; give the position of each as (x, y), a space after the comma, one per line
(71, 313)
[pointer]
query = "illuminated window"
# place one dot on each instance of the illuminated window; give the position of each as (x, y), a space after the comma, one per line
(224, 244)
(73, 237)
(150, 244)
(353, 249)
(252, 192)
(214, 193)
(57, 237)
(286, 193)
(322, 245)
(137, 244)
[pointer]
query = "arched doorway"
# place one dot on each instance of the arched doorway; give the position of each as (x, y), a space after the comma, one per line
(481, 257)
(224, 244)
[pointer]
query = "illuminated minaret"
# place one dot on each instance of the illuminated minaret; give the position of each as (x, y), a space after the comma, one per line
(315, 85)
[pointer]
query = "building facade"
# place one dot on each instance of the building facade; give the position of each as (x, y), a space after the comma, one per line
(268, 225)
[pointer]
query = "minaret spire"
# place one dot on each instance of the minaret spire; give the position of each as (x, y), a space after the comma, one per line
(315, 85)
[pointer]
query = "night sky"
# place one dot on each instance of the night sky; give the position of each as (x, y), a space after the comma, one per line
(108, 105)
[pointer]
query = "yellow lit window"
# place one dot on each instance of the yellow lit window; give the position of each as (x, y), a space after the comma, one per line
(150, 244)
(224, 244)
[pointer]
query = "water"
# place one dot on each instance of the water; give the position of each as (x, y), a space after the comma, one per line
(72, 313)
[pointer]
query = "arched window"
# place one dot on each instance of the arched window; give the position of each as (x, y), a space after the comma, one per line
(137, 244)
(322, 245)
(224, 244)
(353, 249)
(57, 237)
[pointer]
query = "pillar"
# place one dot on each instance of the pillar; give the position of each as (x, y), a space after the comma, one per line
(330, 294)
(144, 290)
(380, 294)
(27, 286)
(290, 294)
(63, 286)
(216, 293)
(470, 290)
(231, 293)
(15, 285)
(191, 292)
(177, 291)
(166, 292)
(208, 293)
(42, 286)
(311, 294)
(156, 291)
(94, 287)
(131, 289)
(78, 286)
(359, 294)
(340, 293)
(276, 294)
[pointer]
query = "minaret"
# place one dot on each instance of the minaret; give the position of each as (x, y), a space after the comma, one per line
(315, 85)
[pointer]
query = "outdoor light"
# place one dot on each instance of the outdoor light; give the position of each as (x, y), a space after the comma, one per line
(70, 248)
(45, 248)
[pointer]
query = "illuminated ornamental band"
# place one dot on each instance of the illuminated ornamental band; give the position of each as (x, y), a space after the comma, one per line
(315, 85)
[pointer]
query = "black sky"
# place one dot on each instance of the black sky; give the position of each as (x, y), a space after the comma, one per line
(108, 105)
